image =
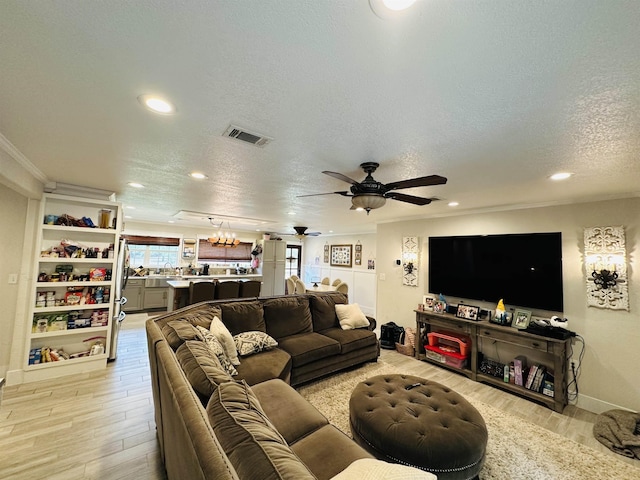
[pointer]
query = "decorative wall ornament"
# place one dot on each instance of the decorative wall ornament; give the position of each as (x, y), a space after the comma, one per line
(410, 260)
(357, 256)
(605, 257)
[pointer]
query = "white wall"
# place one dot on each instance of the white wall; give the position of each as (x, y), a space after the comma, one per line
(361, 280)
(13, 212)
(610, 376)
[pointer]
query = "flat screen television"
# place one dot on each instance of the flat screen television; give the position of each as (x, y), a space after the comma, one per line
(523, 269)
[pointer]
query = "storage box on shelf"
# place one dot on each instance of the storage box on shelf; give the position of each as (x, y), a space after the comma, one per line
(456, 343)
(72, 303)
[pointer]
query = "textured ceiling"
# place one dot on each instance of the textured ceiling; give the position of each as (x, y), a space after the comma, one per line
(494, 95)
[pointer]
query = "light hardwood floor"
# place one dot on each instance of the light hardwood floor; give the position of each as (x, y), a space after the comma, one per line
(100, 425)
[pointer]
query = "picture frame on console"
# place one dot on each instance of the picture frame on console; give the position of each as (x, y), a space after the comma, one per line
(439, 306)
(428, 301)
(468, 312)
(521, 319)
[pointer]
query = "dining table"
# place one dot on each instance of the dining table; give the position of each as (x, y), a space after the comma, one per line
(319, 287)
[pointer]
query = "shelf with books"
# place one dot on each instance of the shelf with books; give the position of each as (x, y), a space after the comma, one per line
(486, 338)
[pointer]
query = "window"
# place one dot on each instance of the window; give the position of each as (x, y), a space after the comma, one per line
(237, 254)
(153, 252)
(153, 256)
(293, 262)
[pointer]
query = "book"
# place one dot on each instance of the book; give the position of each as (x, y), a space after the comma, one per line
(532, 373)
(548, 385)
(519, 369)
(537, 381)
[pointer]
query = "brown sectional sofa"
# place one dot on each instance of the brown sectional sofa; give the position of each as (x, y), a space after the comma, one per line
(253, 425)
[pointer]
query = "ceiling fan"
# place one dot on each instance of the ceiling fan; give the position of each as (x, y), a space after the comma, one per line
(301, 232)
(370, 194)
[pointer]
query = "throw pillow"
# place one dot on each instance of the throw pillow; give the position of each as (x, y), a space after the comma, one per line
(216, 348)
(203, 370)
(248, 343)
(226, 340)
(178, 331)
(350, 316)
(372, 469)
(254, 447)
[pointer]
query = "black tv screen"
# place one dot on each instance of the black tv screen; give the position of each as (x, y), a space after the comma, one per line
(523, 269)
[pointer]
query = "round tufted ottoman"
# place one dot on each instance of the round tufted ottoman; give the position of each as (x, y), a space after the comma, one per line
(410, 420)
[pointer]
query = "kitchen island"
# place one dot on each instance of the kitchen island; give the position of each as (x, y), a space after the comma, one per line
(179, 286)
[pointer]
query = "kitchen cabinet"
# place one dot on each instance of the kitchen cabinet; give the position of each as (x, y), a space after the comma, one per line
(273, 267)
(134, 293)
(72, 298)
(155, 298)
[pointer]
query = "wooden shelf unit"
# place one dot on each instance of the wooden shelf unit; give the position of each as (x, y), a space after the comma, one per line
(76, 339)
(553, 351)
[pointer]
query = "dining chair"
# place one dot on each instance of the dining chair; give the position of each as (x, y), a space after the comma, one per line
(336, 282)
(300, 287)
(250, 288)
(294, 277)
(325, 281)
(342, 288)
(291, 286)
(229, 289)
(201, 291)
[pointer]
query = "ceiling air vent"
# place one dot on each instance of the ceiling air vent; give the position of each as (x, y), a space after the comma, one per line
(243, 134)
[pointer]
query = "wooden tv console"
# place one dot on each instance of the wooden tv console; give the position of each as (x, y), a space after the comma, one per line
(554, 351)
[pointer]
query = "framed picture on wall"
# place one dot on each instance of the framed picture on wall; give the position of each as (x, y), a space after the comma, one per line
(341, 255)
(326, 254)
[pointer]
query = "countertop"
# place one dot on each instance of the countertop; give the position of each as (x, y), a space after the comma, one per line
(186, 279)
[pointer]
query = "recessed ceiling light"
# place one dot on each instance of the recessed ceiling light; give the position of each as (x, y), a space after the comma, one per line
(291, 213)
(453, 204)
(386, 9)
(135, 185)
(128, 216)
(130, 207)
(171, 221)
(198, 175)
(560, 176)
(157, 104)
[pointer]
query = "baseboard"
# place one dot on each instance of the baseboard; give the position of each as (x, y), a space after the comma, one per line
(595, 405)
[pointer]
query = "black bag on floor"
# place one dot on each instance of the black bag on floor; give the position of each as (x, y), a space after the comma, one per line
(390, 333)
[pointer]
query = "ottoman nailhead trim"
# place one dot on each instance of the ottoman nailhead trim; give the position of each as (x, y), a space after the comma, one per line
(431, 470)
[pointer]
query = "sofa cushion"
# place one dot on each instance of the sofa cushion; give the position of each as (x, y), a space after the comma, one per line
(223, 335)
(264, 366)
(202, 369)
(288, 315)
(309, 347)
(178, 331)
(248, 343)
(203, 315)
(272, 395)
(351, 340)
(323, 309)
(252, 444)
(350, 316)
(216, 349)
(243, 316)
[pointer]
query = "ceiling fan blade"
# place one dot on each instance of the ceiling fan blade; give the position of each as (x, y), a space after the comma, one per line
(408, 198)
(416, 182)
(344, 193)
(313, 234)
(340, 176)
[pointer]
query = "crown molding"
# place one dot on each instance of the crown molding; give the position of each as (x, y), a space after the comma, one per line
(24, 162)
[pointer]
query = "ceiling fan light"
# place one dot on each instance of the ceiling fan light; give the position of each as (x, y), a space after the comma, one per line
(368, 201)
